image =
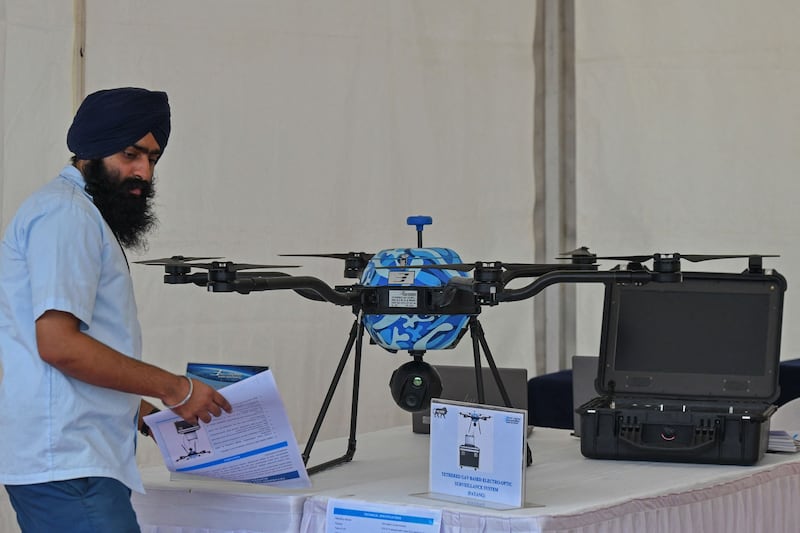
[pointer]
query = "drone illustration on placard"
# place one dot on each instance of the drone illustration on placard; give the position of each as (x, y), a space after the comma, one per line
(420, 299)
(469, 454)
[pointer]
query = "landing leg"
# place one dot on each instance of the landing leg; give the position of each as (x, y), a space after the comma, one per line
(355, 338)
(478, 343)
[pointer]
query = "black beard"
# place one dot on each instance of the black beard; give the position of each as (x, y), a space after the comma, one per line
(130, 216)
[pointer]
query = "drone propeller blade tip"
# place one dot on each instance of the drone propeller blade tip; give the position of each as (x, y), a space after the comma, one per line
(695, 258)
(582, 250)
(174, 260)
(348, 255)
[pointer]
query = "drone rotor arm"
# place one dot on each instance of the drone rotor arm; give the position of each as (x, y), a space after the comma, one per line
(310, 294)
(522, 270)
(462, 283)
(448, 294)
(307, 284)
(179, 278)
(574, 276)
(453, 285)
(198, 278)
(305, 293)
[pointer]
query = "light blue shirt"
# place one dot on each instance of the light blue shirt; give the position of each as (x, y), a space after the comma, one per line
(58, 253)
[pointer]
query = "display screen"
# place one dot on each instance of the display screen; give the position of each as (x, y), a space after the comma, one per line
(690, 329)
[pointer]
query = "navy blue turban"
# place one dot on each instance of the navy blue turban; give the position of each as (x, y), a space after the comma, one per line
(110, 120)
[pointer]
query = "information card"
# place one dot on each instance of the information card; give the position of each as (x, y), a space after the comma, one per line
(477, 452)
(353, 516)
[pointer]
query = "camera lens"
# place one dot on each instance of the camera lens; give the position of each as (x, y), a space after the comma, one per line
(414, 384)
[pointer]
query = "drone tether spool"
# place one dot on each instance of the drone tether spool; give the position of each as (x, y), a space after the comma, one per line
(434, 291)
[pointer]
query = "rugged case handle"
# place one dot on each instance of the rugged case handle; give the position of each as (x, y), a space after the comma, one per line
(686, 450)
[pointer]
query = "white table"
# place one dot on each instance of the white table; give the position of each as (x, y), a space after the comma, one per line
(571, 493)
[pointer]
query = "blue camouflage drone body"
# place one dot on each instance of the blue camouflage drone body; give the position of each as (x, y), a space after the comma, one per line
(413, 332)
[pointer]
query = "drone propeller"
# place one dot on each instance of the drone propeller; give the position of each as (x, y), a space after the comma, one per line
(461, 267)
(354, 262)
(694, 258)
(509, 267)
(175, 260)
(345, 256)
(181, 261)
(580, 256)
(496, 271)
(236, 267)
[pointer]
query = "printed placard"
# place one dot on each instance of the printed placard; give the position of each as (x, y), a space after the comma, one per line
(477, 452)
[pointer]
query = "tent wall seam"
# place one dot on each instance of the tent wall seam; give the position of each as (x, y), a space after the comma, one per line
(79, 53)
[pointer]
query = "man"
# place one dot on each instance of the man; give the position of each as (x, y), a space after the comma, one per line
(70, 340)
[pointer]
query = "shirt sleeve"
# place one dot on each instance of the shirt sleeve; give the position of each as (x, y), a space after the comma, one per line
(63, 251)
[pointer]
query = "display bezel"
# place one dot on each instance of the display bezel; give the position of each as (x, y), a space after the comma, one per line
(724, 300)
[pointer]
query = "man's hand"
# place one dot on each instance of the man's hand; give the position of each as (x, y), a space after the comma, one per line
(204, 402)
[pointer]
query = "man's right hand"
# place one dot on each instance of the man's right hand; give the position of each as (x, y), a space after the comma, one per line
(204, 403)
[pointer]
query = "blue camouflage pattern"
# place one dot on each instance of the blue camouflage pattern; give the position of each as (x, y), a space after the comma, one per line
(413, 332)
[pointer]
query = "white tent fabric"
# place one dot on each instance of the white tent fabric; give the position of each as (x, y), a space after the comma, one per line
(310, 127)
(317, 127)
(35, 73)
(688, 129)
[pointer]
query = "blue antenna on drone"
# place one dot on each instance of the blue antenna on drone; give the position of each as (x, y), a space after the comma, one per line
(420, 221)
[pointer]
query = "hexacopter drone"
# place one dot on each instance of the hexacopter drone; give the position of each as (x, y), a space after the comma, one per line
(419, 299)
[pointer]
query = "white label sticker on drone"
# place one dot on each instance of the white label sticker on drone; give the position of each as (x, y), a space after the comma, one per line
(401, 277)
(402, 298)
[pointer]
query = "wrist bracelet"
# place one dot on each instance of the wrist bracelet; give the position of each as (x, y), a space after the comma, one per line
(186, 399)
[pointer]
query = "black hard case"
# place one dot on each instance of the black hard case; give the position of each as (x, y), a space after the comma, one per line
(688, 372)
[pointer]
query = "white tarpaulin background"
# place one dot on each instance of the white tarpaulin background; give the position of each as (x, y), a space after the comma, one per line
(316, 127)
(309, 127)
(688, 128)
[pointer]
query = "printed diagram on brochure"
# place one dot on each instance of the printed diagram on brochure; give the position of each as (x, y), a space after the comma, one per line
(193, 439)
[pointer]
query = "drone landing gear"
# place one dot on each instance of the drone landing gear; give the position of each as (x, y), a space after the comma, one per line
(478, 342)
(355, 340)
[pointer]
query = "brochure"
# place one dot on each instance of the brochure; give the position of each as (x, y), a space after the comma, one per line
(254, 443)
(221, 375)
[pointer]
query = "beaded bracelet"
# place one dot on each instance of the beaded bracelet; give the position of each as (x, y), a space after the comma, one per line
(186, 399)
